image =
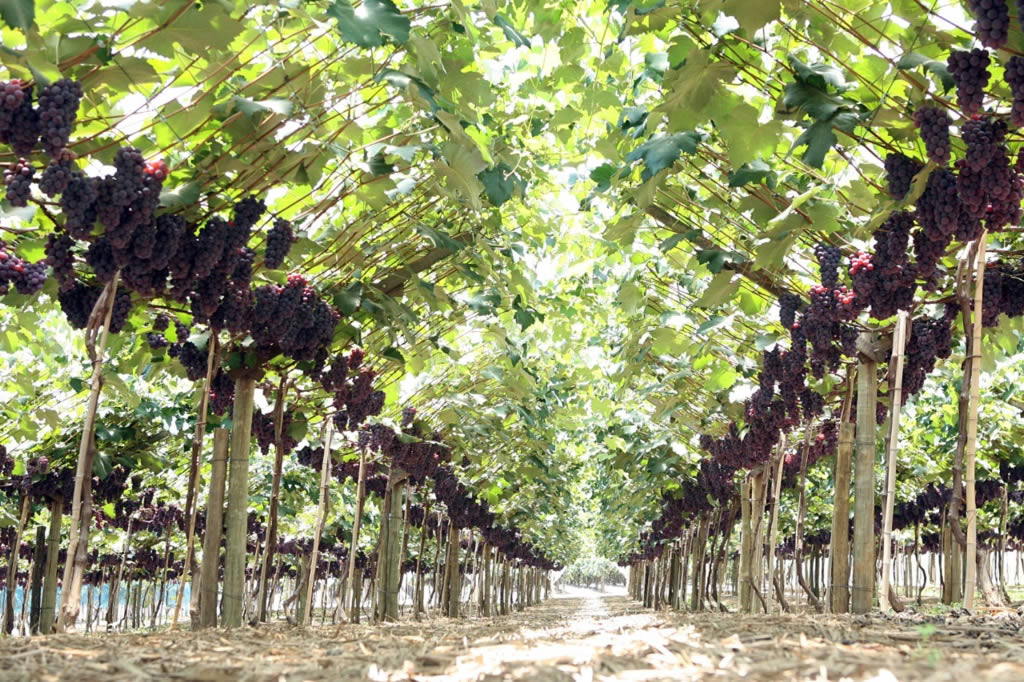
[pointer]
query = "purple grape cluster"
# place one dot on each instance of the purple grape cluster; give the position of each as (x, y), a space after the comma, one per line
(27, 278)
(992, 21)
(19, 121)
(933, 124)
(18, 180)
(900, 171)
(1013, 74)
(969, 70)
(279, 242)
(58, 108)
(57, 175)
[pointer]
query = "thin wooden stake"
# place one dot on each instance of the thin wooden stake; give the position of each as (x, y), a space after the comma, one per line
(325, 478)
(864, 480)
(971, 577)
(896, 364)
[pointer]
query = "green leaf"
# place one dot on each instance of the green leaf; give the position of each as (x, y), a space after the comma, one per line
(510, 31)
(765, 340)
(721, 289)
(182, 196)
(912, 60)
(819, 138)
(18, 13)
(713, 322)
(275, 105)
(440, 239)
(501, 183)
(413, 87)
(755, 171)
(374, 20)
(661, 151)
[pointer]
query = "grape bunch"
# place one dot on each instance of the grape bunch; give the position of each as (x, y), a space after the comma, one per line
(884, 281)
(930, 339)
(989, 185)
(57, 175)
(970, 74)
(941, 214)
(27, 278)
(191, 358)
(18, 180)
(222, 392)
(58, 108)
(1014, 77)
(263, 431)
(789, 304)
(933, 123)
(992, 21)
(279, 242)
(157, 341)
(900, 171)
(77, 303)
(19, 121)
(828, 264)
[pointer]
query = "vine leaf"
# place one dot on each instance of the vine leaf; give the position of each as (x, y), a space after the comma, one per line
(18, 13)
(661, 151)
(374, 20)
(510, 31)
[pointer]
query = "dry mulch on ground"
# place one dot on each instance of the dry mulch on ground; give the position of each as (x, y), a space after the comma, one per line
(584, 638)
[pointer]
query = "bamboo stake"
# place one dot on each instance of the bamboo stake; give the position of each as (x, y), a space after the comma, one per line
(773, 535)
(971, 578)
(78, 540)
(864, 481)
(356, 522)
(208, 569)
(191, 505)
(49, 607)
(238, 498)
(898, 348)
(325, 478)
(839, 552)
(275, 492)
(12, 567)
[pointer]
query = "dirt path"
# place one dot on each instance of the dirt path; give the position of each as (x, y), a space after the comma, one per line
(585, 637)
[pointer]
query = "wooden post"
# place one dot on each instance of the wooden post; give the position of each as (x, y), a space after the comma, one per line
(864, 476)
(49, 603)
(191, 503)
(238, 501)
(896, 364)
(773, 531)
(451, 608)
(81, 504)
(389, 556)
(209, 568)
(839, 552)
(356, 591)
(746, 546)
(325, 479)
(275, 493)
(970, 560)
(38, 561)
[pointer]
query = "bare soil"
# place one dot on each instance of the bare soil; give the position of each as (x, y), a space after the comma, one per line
(586, 637)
